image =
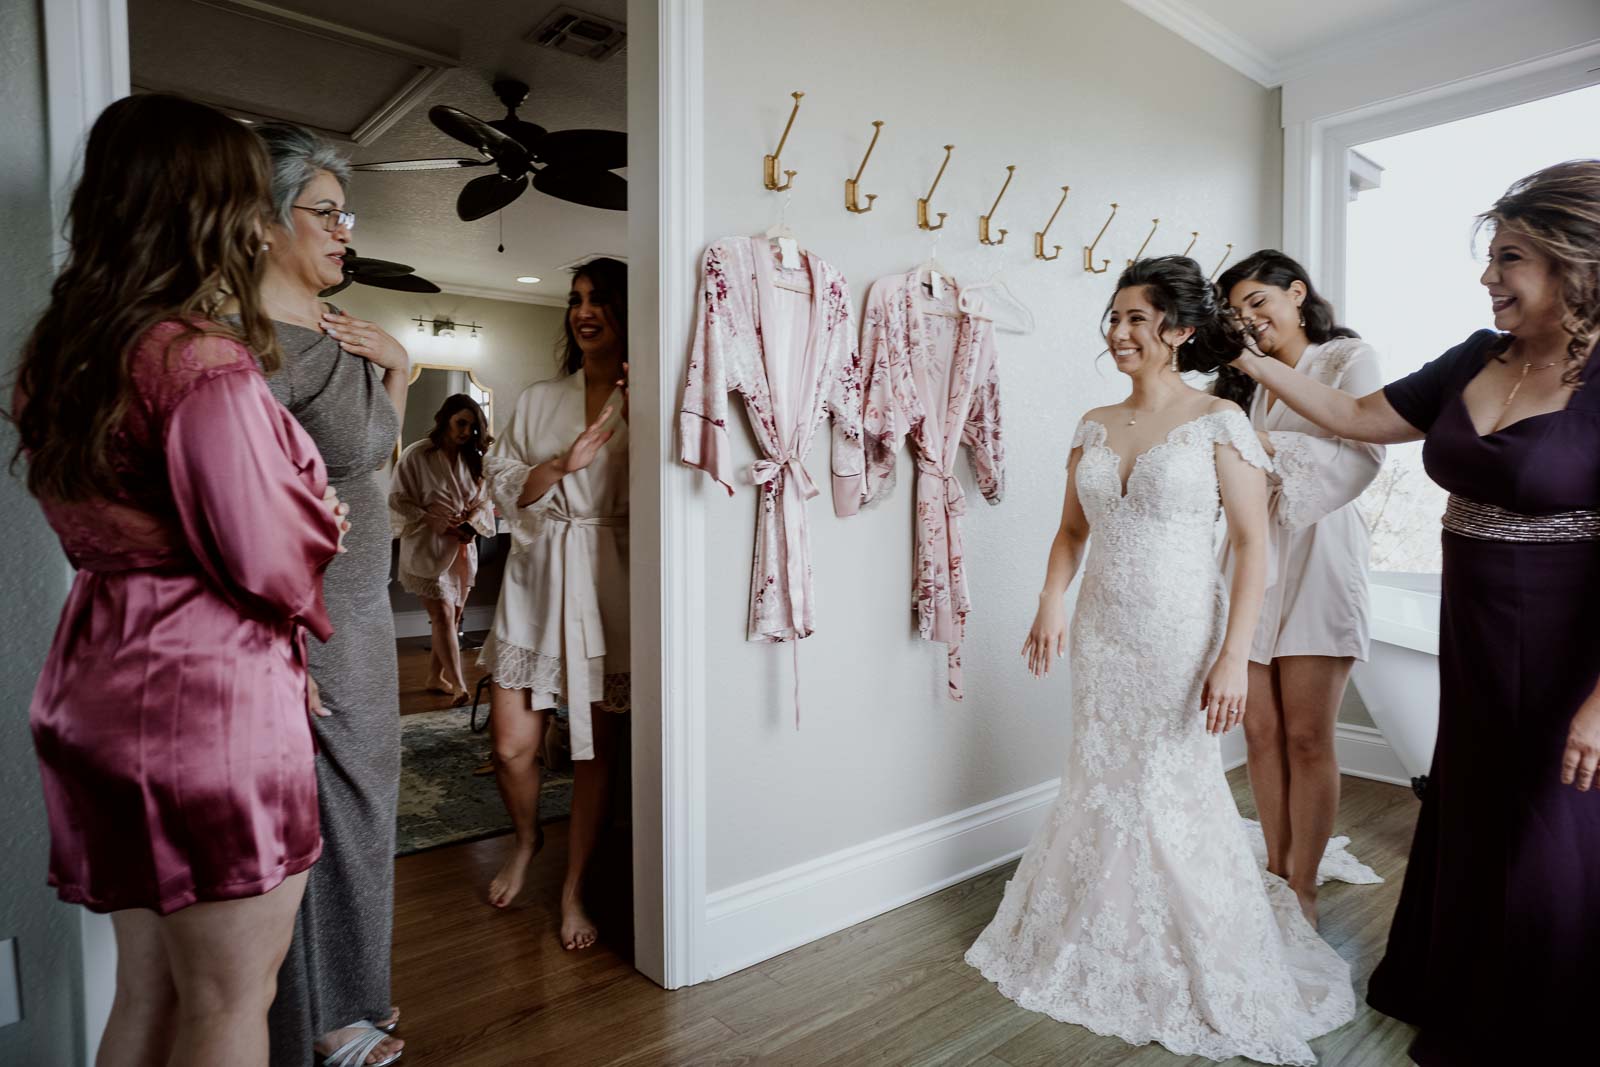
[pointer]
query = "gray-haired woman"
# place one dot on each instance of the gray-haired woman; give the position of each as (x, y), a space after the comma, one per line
(345, 381)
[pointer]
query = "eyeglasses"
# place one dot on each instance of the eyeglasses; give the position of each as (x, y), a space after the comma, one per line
(332, 218)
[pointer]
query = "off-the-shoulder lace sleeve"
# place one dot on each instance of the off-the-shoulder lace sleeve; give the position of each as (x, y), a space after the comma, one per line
(1088, 434)
(1231, 427)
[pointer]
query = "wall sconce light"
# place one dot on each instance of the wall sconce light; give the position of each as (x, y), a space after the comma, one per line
(443, 334)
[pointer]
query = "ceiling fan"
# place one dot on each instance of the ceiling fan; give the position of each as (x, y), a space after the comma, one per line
(573, 165)
(381, 274)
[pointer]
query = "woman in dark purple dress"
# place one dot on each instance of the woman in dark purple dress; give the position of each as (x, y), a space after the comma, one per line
(1495, 947)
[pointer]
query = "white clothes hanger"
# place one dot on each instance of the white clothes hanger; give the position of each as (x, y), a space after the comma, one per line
(992, 294)
(778, 234)
(932, 276)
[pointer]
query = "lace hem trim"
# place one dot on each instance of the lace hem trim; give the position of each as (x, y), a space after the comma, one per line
(514, 667)
(445, 587)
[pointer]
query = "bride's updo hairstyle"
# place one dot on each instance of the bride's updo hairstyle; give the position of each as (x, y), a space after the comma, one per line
(1178, 289)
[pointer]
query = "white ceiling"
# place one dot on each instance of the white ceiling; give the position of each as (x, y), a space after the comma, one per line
(210, 51)
(1267, 39)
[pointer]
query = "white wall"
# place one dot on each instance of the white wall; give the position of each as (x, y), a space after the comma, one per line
(519, 342)
(33, 581)
(1094, 96)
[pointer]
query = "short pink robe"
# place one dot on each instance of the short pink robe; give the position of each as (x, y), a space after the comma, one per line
(933, 377)
(170, 718)
(792, 357)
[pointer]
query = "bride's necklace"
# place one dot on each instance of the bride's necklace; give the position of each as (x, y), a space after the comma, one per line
(1134, 413)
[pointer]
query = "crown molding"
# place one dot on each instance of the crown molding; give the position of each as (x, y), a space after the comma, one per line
(1185, 19)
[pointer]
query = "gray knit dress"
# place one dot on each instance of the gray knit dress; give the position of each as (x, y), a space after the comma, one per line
(337, 970)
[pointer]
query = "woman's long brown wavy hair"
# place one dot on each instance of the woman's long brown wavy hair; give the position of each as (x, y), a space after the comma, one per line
(471, 452)
(1558, 208)
(166, 224)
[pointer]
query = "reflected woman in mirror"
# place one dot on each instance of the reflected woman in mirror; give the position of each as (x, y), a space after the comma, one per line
(440, 507)
(559, 476)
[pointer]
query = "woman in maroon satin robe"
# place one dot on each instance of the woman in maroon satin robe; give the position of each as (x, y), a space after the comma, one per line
(1495, 948)
(170, 719)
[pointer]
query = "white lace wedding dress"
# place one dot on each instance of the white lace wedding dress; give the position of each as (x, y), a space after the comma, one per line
(1139, 909)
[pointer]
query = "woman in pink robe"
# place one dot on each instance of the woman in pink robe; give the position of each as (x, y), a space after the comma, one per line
(170, 718)
(440, 506)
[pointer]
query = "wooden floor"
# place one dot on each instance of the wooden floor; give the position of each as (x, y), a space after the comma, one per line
(413, 654)
(481, 988)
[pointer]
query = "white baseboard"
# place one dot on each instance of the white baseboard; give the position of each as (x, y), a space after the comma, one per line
(1364, 753)
(770, 915)
(415, 623)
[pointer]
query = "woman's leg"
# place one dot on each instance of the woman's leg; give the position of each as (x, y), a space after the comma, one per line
(446, 647)
(1268, 763)
(1312, 687)
(144, 1013)
(591, 789)
(516, 732)
(225, 957)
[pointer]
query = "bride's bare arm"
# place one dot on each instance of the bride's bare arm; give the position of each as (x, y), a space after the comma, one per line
(1047, 637)
(1243, 489)
(1368, 418)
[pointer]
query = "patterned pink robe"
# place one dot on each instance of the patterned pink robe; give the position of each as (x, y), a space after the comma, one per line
(935, 379)
(793, 359)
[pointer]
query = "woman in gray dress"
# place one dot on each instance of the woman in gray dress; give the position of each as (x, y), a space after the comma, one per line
(345, 381)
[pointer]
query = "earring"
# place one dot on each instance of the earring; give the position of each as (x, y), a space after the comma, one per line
(1302, 317)
(1174, 349)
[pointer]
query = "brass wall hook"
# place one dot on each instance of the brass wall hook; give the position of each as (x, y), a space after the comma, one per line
(1088, 250)
(983, 220)
(1154, 225)
(1038, 238)
(922, 202)
(772, 163)
(1220, 262)
(852, 186)
(1194, 235)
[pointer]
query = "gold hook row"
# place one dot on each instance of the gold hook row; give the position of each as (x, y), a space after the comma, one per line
(852, 186)
(1194, 235)
(1220, 262)
(771, 164)
(983, 220)
(922, 202)
(1154, 225)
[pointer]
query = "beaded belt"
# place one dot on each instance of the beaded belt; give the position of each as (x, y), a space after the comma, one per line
(1485, 522)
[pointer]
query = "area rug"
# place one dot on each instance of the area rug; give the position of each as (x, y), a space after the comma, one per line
(441, 801)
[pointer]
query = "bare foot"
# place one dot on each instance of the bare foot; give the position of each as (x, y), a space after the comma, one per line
(505, 886)
(577, 929)
(461, 699)
(333, 1040)
(1308, 904)
(437, 684)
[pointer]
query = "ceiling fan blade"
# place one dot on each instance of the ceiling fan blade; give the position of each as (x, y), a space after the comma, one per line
(581, 185)
(422, 164)
(600, 149)
(508, 152)
(341, 287)
(488, 194)
(374, 268)
(405, 283)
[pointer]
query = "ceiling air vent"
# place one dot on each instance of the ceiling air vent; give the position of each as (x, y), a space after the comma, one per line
(579, 33)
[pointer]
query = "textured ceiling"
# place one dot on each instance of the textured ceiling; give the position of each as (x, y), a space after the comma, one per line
(260, 68)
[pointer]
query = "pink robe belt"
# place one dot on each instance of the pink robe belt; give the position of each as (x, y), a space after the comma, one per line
(938, 620)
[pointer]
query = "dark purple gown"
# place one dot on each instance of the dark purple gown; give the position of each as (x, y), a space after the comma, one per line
(1495, 947)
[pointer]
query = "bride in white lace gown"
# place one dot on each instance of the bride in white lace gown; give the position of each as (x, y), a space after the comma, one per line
(1139, 910)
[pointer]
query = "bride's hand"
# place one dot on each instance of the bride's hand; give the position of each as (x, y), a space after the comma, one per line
(1223, 697)
(1048, 637)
